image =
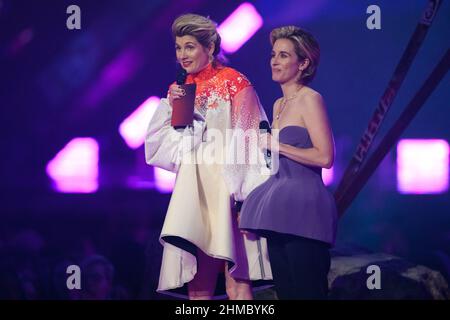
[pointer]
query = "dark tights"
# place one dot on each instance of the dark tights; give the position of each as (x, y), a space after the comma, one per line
(299, 266)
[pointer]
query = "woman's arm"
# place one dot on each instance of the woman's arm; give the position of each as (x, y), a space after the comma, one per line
(165, 146)
(316, 121)
(242, 175)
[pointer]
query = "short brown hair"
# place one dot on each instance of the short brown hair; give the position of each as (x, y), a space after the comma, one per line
(306, 47)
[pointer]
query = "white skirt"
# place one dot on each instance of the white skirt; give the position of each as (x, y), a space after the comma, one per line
(200, 216)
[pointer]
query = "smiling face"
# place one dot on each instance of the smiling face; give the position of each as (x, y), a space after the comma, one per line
(191, 55)
(284, 62)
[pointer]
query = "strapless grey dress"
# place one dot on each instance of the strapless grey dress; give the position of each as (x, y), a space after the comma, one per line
(294, 200)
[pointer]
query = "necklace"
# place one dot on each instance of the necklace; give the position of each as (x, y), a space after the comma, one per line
(284, 102)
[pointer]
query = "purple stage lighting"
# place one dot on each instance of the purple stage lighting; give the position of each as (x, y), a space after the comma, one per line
(422, 166)
(75, 168)
(164, 180)
(328, 176)
(115, 74)
(133, 128)
(240, 26)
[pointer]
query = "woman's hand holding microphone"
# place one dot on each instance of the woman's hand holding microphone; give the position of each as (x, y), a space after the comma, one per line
(175, 92)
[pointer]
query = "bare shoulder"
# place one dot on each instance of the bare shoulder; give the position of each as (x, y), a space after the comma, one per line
(312, 101)
(311, 96)
(276, 104)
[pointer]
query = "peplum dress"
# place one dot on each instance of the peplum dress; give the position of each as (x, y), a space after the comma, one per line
(293, 201)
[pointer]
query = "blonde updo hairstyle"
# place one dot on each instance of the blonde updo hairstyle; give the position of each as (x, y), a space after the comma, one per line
(306, 47)
(201, 28)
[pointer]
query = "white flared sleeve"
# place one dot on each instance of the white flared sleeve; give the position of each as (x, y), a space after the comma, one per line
(165, 146)
(248, 172)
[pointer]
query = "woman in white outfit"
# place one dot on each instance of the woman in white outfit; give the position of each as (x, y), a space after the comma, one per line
(200, 234)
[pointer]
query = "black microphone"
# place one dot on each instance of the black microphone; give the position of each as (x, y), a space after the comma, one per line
(263, 128)
(180, 80)
(181, 76)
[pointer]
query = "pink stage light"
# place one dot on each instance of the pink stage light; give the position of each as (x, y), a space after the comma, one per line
(164, 180)
(133, 128)
(240, 26)
(75, 168)
(328, 176)
(422, 166)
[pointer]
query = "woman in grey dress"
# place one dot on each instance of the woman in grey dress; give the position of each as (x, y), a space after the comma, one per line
(293, 208)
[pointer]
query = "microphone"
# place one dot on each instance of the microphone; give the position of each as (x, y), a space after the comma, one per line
(181, 76)
(264, 127)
